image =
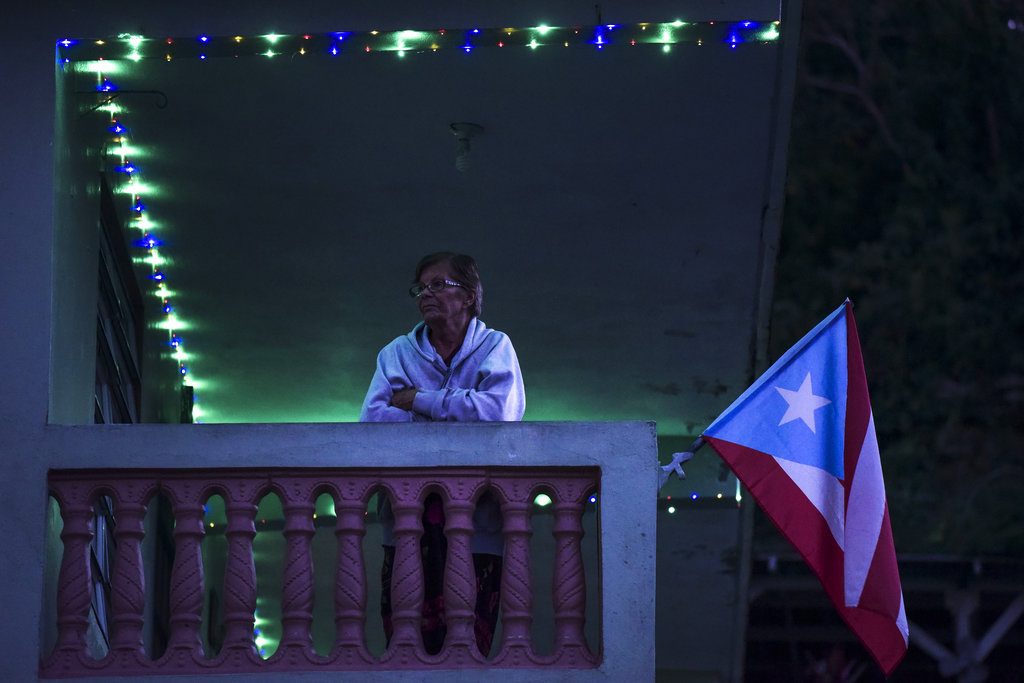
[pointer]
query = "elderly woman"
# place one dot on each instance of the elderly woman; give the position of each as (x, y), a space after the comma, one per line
(449, 367)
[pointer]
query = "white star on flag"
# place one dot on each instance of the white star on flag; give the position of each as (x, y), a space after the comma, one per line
(802, 403)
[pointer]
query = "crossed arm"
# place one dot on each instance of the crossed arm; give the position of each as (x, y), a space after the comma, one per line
(496, 393)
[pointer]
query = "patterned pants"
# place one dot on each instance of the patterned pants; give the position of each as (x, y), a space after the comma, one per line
(434, 550)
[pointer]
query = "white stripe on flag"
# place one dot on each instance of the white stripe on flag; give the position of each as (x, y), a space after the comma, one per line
(901, 622)
(864, 515)
(823, 490)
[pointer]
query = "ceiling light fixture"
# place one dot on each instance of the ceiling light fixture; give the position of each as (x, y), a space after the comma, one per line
(464, 132)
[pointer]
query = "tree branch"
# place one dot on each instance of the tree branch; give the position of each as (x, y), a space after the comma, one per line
(866, 101)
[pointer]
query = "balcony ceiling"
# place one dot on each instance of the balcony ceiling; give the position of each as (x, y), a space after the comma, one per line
(615, 202)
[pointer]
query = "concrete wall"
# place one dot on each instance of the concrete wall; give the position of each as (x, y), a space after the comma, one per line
(26, 221)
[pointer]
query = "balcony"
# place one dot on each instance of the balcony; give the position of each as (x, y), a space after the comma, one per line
(349, 463)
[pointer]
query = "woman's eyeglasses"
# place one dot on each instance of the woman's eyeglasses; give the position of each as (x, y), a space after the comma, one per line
(416, 291)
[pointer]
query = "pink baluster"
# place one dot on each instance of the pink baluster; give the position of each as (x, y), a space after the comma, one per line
(186, 597)
(297, 589)
(187, 492)
(570, 594)
(350, 580)
(127, 599)
(460, 579)
(240, 575)
(516, 593)
(406, 581)
(74, 585)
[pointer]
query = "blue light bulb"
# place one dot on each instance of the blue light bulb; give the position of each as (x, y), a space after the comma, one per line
(147, 242)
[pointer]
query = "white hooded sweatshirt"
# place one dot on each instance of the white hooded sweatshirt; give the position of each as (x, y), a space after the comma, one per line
(483, 383)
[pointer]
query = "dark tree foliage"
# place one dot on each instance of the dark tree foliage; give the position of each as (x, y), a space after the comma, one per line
(906, 193)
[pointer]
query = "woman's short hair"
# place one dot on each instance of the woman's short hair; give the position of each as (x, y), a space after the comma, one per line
(463, 268)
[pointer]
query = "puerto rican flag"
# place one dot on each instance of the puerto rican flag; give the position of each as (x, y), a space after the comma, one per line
(802, 440)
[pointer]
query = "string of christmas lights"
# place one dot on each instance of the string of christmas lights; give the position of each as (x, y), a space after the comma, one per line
(672, 506)
(107, 57)
(660, 34)
(122, 148)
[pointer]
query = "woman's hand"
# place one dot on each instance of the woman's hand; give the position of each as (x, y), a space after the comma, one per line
(403, 398)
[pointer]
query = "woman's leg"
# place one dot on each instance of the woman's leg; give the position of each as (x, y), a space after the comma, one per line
(434, 549)
(385, 592)
(488, 599)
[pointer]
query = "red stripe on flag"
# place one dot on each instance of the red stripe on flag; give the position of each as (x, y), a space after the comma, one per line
(801, 523)
(789, 509)
(858, 403)
(881, 594)
(879, 634)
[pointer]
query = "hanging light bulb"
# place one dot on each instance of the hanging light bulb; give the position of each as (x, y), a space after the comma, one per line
(464, 132)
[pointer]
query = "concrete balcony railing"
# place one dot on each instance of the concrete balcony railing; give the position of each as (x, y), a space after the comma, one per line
(350, 464)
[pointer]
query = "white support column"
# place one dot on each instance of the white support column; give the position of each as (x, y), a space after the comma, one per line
(966, 663)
